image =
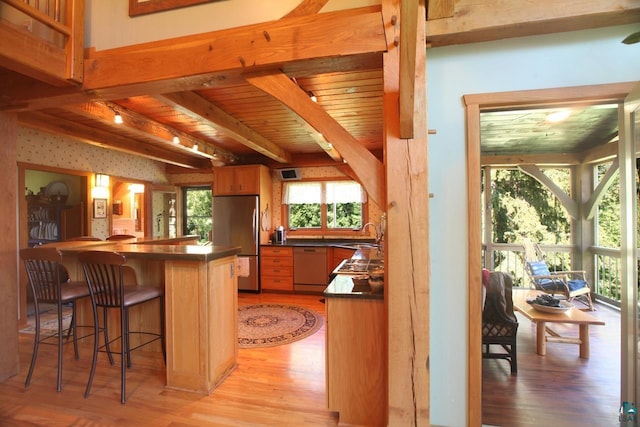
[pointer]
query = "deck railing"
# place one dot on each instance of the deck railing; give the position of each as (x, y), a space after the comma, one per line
(606, 275)
(44, 28)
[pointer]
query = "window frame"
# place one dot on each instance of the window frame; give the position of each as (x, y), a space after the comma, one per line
(323, 230)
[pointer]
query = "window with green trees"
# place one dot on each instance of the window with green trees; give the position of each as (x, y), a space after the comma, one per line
(324, 205)
(196, 208)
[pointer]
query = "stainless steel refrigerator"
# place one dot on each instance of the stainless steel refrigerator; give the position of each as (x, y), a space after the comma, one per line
(235, 223)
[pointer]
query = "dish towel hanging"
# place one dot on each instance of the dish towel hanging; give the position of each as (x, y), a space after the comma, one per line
(243, 267)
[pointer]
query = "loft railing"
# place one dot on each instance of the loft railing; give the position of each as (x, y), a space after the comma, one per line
(44, 39)
(606, 283)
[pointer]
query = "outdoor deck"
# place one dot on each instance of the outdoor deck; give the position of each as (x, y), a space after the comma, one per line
(559, 389)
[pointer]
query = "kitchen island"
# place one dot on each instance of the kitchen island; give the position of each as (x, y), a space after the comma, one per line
(356, 349)
(200, 284)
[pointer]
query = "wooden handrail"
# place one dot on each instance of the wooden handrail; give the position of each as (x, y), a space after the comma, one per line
(34, 13)
(41, 56)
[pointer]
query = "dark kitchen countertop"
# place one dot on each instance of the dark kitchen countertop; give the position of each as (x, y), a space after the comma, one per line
(343, 286)
(338, 243)
(355, 284)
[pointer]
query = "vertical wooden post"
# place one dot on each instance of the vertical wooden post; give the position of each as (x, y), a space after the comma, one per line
(474, 325)
(9, 356)
(407, 241)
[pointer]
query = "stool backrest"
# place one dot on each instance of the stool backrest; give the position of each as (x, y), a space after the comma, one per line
(45, 272)
(103, 272)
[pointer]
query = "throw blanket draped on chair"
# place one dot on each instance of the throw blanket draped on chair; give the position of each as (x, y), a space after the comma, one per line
(499, 323)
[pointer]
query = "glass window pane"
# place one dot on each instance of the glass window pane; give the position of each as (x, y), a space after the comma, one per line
(197, 212)
(305, 215)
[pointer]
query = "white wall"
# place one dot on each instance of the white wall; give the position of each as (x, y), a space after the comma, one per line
(558, 60)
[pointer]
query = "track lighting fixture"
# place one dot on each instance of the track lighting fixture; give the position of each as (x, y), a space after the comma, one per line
(117, 118)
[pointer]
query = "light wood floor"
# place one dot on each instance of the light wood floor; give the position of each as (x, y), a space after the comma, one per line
(284, 386)
(276, 386)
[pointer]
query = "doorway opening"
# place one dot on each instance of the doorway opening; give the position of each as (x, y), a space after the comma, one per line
(475, 104)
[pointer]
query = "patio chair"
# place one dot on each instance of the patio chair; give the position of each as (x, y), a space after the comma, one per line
(571, 284)
(499, 323)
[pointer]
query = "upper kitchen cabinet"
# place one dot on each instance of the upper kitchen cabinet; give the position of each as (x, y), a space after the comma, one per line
(233, 180)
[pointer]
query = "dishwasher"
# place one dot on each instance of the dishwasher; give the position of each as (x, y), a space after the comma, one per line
(310, 269)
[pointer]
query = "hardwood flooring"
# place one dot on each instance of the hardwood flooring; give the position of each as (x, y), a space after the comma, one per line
(285, 385)
(558, 389)
(275, 386)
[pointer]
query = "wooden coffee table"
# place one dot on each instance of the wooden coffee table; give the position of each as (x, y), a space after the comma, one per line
(545, 334)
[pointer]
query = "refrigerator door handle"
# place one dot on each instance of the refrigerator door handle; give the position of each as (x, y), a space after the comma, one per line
(254, 222)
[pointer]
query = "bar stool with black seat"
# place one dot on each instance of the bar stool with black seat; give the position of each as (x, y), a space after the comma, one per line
(50, 284)
(105, 273)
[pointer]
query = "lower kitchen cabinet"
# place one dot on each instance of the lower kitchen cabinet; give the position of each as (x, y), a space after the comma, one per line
(356, 354)
(276, 268)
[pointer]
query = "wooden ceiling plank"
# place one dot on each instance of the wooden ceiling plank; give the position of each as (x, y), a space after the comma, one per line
(368, 168)
(265, 45)
(100, 138)
(475, 21)
(199, 108)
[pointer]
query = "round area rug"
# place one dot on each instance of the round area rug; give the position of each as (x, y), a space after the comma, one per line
(268, 325)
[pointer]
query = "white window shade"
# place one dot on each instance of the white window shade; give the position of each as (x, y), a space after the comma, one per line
(312, 192)
(301, 193)
(344, 192)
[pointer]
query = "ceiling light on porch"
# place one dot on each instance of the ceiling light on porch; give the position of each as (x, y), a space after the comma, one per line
(195, 147)
(176, 139)
(313, 97)
(558, 116)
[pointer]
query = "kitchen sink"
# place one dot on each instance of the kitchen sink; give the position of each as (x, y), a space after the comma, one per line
(360, 265)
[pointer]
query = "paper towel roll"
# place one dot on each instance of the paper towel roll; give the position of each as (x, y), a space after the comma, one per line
(243, 267)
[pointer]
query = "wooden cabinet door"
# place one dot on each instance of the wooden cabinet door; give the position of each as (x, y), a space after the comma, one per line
(236, 180)
(223, 181)
(248, 180)
(72, 222)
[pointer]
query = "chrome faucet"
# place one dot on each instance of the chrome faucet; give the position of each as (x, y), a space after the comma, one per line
(379, 231)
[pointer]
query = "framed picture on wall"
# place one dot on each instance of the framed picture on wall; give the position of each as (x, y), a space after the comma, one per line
(99, 208)
(143, 7)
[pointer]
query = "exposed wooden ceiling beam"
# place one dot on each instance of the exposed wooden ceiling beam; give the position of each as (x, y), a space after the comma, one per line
(353, 31)
(533, 159)
(367, 167)
(101, 138)
(440, 9)
(307, 7)
(412, 71)
(145, 128)
(475, 21)
(601, 153)
(200, 109)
